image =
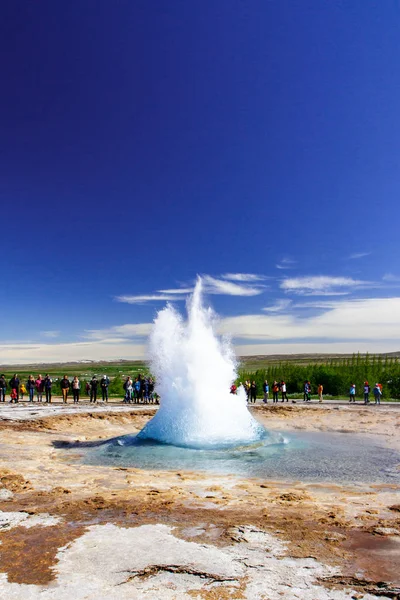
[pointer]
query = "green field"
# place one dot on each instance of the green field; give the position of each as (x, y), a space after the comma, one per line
(115, 371)
(335, 372)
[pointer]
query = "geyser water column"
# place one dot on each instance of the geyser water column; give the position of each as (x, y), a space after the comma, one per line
(194, 371)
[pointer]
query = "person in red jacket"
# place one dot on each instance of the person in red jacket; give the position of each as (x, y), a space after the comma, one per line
(39, 388)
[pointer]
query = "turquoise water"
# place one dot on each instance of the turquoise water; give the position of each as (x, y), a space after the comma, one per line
(305, 456)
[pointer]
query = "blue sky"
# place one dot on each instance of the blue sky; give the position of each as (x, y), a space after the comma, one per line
(143, 143)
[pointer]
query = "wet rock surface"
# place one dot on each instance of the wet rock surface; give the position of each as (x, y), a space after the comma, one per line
(83, 531)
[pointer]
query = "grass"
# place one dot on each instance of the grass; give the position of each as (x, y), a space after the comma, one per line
(81, 370)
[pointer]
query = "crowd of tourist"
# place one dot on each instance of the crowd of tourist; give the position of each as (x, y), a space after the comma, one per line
(279, 389)
(139, 391)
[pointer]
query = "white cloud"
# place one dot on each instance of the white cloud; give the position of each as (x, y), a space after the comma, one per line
(374, 319)
(323, 285)
(20, 354)
(371, 325)
(224, 285)
(286, 263)
(119, 332)
(357, 255)
(50, 334)
(327, 292)
(249, 277)
(213, 285)
(176, 291)
(279, 305)
(317, 304)
(147, 298)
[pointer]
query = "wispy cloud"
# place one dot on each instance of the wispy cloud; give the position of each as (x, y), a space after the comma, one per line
(357, 255)
(286, 263)
(323, 285)
(390, 278)
(280, 305)
(212, 285)
(148, 298)
(50, 334)
(230, 284)
(318, 304)
(176, 291)
(125, 332)
(249, 277)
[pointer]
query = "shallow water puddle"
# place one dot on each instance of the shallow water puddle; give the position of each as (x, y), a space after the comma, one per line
(305, 456)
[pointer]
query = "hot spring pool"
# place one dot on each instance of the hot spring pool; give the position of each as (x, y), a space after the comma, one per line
(305, 456)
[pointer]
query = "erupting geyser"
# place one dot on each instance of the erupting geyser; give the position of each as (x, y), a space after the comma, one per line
(194, 371)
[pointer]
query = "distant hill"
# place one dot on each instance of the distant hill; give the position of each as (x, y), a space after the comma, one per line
(252, 363)
(248, 362)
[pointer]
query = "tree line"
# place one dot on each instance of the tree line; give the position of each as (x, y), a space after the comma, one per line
(336, 375)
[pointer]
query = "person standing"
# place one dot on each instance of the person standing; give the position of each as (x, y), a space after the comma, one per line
(275, 391)
(320, 392)
(14, 385)
(104, 383)
(22, 391)
(48, 382)
(31, 385)
(93, 389)
(3, 387)
(307, 391)
(352, 393)
(266, 391)
(141, 390)
(367, 390)
(128, 387)
(283, 392)
(65, 387)
(253, 392)
(39, 388)
(377, 393)
(137, 387)
(151, 390)
(76, 386)
(247, 386)
(146, 390)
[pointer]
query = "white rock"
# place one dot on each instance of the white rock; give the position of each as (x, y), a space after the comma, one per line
(149, 562)
(8, 520)
(6, 494)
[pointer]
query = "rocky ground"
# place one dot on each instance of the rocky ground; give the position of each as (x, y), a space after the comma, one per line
(71, 530)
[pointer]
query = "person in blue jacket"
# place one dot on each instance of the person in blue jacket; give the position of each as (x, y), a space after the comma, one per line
(138, 388)
(31, 386)
(352, 393)
(377, 393)
(266, 391)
